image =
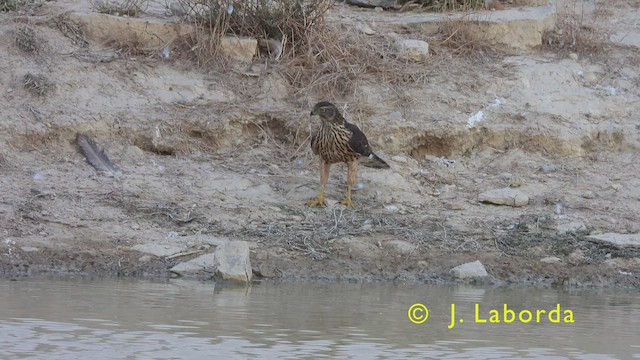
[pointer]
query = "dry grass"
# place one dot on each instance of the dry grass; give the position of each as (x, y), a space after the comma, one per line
(579, 29)
(37, 84)
(464, 38)
(131, 8)
(448, 5)
(336, 60)
(26, 40)
(70, 29)
(13, 5)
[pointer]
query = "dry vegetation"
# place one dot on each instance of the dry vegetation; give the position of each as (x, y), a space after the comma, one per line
(580, 30)
(37, 84)
(130, 8)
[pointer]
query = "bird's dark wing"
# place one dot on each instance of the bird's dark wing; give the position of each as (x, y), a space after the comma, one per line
(358, 141)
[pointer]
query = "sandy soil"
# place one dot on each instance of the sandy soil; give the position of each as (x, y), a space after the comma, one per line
(224, 155)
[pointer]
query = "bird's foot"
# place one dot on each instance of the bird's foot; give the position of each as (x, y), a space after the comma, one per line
(347, 200)
(348, 203)
(317, 201)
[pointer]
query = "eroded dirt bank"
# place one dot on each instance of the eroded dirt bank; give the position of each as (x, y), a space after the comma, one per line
(224, 155)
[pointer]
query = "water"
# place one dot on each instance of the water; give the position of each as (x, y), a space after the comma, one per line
(127, 319)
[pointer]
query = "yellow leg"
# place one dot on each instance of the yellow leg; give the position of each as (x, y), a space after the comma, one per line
(324, 177)
(347, 200)
(352, 173)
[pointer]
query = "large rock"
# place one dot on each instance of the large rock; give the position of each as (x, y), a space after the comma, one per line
(201, 264)
(469, 270)
(385, 4)
(230, 262)
(619, 240)
(233, 263)
(414, 50)
(506, 196)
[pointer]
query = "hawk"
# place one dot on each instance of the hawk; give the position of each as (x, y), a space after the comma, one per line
(339, 141)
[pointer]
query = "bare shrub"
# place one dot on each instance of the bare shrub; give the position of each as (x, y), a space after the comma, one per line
(463, 37)
(131, 8)
(288, 21)
(447, 5)
(580, 29)
(26, 40)
(70, 29)
(37, 84)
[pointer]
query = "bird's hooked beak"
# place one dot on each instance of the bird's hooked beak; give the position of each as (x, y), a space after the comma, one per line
(313, 112)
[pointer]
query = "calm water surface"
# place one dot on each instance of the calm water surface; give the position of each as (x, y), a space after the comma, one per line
(125, 319)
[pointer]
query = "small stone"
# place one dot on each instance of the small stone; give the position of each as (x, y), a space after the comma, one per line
(551, 260)
(29, 249)
(505, 196)
(365, 29)
(469, 270)
(391, 209)
(573, 56)
(378, 9)
(144, 259)
(423, 265)
(616, 187)
(401, 246)
(590, 78)
(588, 194)
(454, 206)
(548, 168)
(414, 50)
(9, 90)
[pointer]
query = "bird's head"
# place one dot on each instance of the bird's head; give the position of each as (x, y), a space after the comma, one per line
(327, 112)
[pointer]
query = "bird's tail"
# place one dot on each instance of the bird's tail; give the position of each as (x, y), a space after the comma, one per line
(373, 161)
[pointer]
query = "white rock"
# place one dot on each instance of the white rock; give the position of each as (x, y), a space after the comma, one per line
(551, 260)
(364, 28)
(414, 50)
(619, 240)
(505, 196)
(30, 249)
(391, 209)
(469, 270)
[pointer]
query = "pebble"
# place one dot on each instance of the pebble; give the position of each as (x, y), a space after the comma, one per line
(551, 260)
(588, 194)
(391, 209)
(454, 206)
(548, 168)
(573, 56)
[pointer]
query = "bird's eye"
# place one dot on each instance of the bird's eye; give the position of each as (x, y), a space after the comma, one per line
(323, 110)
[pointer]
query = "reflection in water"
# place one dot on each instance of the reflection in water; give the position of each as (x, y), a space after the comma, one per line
(118, 319)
